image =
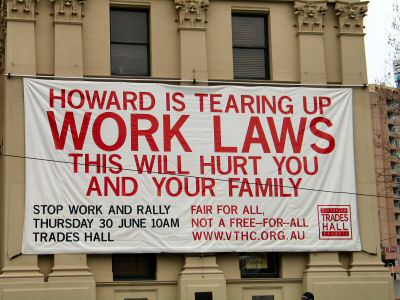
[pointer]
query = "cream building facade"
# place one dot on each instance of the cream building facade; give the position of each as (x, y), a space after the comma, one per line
(384, 103)
(309, 42)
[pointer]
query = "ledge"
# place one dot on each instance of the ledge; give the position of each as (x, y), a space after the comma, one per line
(264, 280)
(191, 28)
(310, 33)
(136, 283)
(20, 20)
(68, 22)
(351, 34)
(176, 282)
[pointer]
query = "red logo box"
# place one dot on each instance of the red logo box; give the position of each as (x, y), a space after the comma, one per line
(334, 222)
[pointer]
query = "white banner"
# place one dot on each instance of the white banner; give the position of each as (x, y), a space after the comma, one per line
(116, 167)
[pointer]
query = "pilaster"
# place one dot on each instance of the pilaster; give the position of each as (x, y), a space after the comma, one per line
(20, 58)
(71, 267)
(310, 25)
(191, 13)
(68, 16)
(20, 23)
(367, 265)
(323, 268)
(351, 16)
(201, 274)
(366, 271)
(21, 10)
(192, 31)
(323, 273)
(3, 26)
(351, 39)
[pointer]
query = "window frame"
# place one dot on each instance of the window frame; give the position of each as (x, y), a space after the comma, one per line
(266, 48)
(272, 271)
(145, 10)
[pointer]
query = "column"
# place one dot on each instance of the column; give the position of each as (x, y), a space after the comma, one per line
(68, 37)
(351, 39)
(20, 59)
(324, 266)
(311, 40)
(199, 274)
(69, 62)
(351, 36)
(192, 32)
(366, 269)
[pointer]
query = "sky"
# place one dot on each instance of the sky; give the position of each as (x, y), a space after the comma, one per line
(377, 26)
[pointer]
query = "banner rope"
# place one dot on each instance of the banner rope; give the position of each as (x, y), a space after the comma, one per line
(193, 176)
(192, 81)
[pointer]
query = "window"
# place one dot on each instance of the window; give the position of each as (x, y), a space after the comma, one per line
(203, 296)
(130, 51)
(134, 266)
(395, 142)
(395, 129)
(394, 117)
(250, 46)
(259, 265)
(393, 105)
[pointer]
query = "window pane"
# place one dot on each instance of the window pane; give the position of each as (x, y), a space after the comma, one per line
(129, 59)
(203, 296)
(248, 31)
(134, 266)
(262, 298)
(249, 63)
(128, 26)
(259, 265)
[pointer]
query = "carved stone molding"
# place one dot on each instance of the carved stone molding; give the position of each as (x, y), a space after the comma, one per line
(310, 15)
(351, 16)
(68, 11)
(3, 25)
(192, 13)
(21, 9)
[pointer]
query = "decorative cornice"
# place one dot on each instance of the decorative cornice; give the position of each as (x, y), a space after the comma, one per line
(23, 10)
(351, 15)
(310, 16)
(68, 11)
(3, 15)
(192, 13)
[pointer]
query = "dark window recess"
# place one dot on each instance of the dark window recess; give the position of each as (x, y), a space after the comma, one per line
(134, 267)
(259, 265)
(130, 51)
(262, 298)
(250, 46)
(135, 299)
(203, 296)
